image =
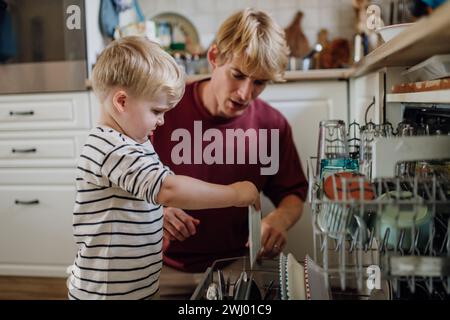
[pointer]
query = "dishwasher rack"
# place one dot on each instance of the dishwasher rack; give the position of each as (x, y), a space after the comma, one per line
(401, 230)
(349, 237)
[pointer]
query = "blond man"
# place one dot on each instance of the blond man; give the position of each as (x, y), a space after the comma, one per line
(249, 52)
(121, 183)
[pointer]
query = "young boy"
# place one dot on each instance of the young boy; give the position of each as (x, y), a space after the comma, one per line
(121, 183)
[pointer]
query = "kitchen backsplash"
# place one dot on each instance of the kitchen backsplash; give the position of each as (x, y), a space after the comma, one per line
(335, 15)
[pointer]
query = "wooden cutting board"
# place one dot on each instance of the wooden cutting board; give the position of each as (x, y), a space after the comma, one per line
(295, 38)
(422, 86)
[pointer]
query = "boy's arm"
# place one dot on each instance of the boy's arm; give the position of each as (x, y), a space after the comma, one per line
(189, 193)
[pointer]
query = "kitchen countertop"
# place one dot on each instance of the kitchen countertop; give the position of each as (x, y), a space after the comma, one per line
(290, 76)
(318, 74)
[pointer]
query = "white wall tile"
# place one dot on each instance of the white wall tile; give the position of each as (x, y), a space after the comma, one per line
(206, 39)
(220, 17)
(310, 18)
(308, 3)
(346, 17)
(329, 17)
(266, 5)
(185, 6)
(284, 17)
(204, 24)
(227, 5)
(206, 6)
(151, 8)
(328, 3)
(248, 3)
(335, 15)
(285, 4)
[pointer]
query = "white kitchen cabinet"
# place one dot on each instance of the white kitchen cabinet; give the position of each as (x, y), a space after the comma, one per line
(95, 108)
(40, 176)
(36, 229)
(41, 149)
(41, 136)
(59, 111)
(305, 104)
(364, 91)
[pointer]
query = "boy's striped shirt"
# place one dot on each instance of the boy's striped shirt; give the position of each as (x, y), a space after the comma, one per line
(117, 223)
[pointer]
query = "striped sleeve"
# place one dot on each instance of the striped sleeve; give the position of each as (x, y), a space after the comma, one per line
(135, 170)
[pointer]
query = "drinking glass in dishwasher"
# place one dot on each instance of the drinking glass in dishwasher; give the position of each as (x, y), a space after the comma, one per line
(368, 134)
(333, 151)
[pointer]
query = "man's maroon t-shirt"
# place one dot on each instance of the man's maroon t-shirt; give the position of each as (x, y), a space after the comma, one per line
(223, 233)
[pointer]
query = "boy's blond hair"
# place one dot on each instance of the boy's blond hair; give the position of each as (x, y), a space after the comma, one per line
(139, 66)
(257, 40)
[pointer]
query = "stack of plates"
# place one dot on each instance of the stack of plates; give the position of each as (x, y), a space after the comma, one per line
(302, 281)
(292, 278)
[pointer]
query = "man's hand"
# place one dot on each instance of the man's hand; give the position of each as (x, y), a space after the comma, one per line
(273, 237)
(275, 225)
(178, 225)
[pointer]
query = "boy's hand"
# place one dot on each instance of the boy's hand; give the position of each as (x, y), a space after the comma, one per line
(247, 194)
(178, 225)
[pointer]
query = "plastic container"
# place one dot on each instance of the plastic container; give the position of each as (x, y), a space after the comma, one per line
(436, 67)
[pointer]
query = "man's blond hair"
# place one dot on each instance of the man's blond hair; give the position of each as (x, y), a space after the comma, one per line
(139, 66)
(257, 40)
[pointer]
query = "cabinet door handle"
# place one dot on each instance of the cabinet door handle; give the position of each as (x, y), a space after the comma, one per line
(32, 150)
(27, 203)
(21, 113)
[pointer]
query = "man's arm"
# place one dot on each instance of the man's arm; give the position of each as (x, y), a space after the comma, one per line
(275, 225)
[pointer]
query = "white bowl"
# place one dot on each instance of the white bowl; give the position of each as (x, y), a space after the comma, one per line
(389, 32)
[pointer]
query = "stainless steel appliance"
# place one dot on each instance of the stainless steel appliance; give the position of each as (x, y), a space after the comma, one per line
(42, 46)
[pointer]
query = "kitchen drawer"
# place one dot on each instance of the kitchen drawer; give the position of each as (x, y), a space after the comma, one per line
(47, 176)
(35, 149)
(41, 149)
(45, 111)
(36, 225)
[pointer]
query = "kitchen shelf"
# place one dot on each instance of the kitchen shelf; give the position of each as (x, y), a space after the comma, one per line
(437, 96)
(318, 74)
(427, 37)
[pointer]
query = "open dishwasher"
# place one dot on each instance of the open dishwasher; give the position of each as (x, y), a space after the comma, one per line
(380, 201)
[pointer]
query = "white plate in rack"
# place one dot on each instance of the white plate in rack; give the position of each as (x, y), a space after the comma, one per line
(282, 275)
(316, 281)
(295, 274)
